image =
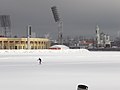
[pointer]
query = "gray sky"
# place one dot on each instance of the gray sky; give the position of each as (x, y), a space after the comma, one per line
(79, 16)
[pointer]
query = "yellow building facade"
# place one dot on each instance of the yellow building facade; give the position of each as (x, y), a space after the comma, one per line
(22, 43)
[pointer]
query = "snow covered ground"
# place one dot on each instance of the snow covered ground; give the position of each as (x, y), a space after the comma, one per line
(60, 70)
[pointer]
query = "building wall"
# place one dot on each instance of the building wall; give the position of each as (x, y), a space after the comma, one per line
(21, 43)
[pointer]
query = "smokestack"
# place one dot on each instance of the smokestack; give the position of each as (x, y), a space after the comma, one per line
(29, 29)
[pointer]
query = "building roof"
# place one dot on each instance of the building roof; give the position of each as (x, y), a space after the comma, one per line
(59, 47)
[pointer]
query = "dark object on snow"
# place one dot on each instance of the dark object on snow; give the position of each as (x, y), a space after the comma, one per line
(82, 87)
(39, 61)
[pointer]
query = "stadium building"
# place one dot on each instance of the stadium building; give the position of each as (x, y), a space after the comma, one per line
(22, 43)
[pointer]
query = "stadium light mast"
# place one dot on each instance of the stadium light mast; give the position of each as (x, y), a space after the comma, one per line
(59, 23)
(5, 23)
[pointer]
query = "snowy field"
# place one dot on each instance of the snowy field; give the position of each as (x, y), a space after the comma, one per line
(60, 70)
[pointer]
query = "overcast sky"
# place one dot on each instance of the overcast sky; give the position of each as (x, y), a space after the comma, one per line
(79, 16)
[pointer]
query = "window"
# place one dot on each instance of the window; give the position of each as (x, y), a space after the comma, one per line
(15, 47)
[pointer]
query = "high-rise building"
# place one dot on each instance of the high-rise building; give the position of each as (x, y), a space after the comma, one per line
(98, 36)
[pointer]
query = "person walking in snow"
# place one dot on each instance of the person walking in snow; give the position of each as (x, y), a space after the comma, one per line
(39, 60)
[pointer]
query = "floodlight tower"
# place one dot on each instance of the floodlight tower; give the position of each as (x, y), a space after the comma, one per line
(5, 23)
(59, 23)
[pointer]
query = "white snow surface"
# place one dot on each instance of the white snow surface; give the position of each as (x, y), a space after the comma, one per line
(60, 69)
